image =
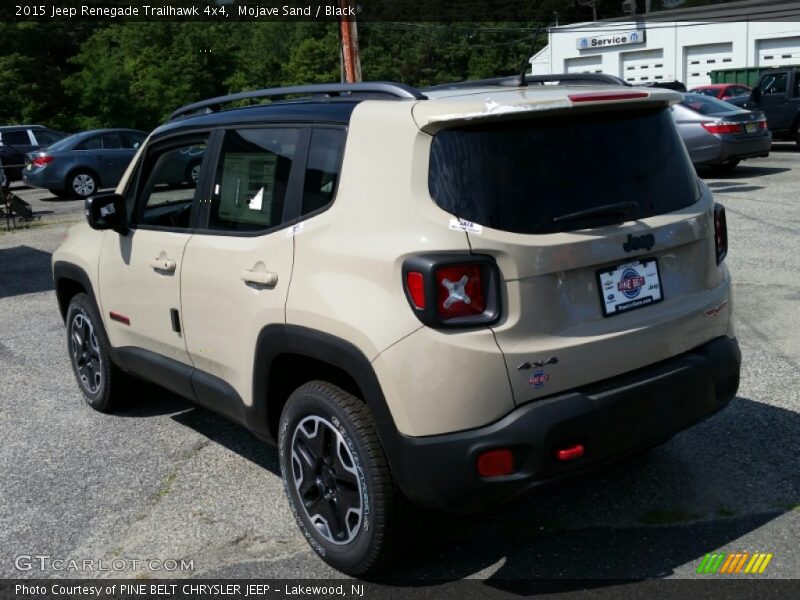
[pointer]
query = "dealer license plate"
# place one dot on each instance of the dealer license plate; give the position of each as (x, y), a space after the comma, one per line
(629, 286)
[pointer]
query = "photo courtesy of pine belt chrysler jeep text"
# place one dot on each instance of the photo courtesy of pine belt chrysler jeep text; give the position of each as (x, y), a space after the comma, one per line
(442, 297)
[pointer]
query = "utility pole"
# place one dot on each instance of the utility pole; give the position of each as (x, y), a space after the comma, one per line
(348, 34)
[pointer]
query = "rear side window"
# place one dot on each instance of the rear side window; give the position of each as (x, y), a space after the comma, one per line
(16, 138)
(252, 179)
(520, 176)
(323, 167)
(92, 143)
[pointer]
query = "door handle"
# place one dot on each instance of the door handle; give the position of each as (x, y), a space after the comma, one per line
(163, 264)
(260, 277)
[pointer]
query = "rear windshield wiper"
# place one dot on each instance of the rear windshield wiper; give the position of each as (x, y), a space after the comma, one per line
(604, 210)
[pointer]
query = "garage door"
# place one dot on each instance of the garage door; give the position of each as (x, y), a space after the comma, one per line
(699, 61)
(584, 64)
(778, 52)
(642, 66)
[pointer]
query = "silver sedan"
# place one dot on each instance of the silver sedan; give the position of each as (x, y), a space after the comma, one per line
(719, 134)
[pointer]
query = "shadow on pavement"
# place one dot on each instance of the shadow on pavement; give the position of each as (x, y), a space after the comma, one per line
(24, 270)
(640, 519)
(743, 171)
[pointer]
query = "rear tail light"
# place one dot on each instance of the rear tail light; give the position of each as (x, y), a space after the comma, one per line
(762, 124)
(452, 290)
(42, 161)
(722, 127)
(460, 291)
(720, 232)
(495, 463)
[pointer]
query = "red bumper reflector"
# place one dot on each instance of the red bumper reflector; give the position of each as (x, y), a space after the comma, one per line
(416, 288)
(495, 463)
(570, 452)
(115, 316)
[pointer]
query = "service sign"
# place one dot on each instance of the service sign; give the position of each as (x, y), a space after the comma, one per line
(620, 38)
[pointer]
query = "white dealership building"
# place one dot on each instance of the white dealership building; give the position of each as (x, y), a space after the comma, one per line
(683, 45)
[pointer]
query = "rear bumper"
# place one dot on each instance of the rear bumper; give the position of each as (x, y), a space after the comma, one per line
(611, 419)
(729, 147)
(38, 178)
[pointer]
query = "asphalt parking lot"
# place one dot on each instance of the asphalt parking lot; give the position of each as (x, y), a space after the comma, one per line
(167, 480)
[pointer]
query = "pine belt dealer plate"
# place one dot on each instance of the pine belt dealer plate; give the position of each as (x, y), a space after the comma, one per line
(630, 285)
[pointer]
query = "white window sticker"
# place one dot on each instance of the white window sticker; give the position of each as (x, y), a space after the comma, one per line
(464, 225)
(294, 229)
(257, 200)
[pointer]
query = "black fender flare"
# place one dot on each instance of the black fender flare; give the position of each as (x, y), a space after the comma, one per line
(66, 270)
(277, 339)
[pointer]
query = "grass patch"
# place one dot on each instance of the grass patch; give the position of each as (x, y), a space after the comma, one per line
(166, 486)
(664, 516)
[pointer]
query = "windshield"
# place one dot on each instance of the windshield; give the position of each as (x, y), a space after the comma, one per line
(520, 176)
(708, 106)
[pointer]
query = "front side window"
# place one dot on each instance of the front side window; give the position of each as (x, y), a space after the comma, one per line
(774, 84)
(168, 182)
(132, 139)
(252, 179)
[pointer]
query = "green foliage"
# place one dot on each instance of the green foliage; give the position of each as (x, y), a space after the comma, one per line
(78, 76)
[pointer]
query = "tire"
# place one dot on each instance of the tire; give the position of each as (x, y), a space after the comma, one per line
(192, 173)
(328, 434)
(101, 382)
(81, 184)
(726, 167)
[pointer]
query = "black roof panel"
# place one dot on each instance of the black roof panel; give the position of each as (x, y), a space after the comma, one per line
(301, 111)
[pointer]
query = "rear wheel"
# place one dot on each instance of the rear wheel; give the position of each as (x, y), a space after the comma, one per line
(337, 480)
(102, 383)
(727, 166)
(81, 184)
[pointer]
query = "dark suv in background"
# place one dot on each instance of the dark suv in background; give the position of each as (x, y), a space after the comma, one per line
(17, 140)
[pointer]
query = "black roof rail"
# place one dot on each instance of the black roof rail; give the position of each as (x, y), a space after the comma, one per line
(516, 81)
(328, 90)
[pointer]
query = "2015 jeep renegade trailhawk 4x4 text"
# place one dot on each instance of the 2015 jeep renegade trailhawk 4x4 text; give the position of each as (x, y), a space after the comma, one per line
(445, 297)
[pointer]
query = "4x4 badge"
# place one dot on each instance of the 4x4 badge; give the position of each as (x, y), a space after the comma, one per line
(640, 242)
(537, 363)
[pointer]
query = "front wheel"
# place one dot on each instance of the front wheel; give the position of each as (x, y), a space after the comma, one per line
(103, 384)
(337, 480)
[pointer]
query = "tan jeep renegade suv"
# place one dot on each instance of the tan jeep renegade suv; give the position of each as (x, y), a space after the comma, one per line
(444, 297)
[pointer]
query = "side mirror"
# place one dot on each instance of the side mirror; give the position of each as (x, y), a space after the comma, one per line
(756, 94)
(106, 212)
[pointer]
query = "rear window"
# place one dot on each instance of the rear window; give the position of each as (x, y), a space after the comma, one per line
(520, 176)
(708, 106)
